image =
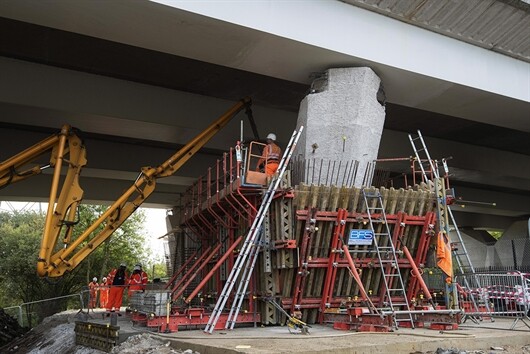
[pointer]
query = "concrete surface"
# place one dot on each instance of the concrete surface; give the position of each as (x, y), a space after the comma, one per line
(343, 119)
(324, 339)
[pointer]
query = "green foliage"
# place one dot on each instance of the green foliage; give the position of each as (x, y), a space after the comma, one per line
(20, 239)
(127, 244)
(496, 234)
(156, 269)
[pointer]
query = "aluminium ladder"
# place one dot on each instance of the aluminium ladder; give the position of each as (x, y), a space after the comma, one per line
(251, 261)
(248, 254)
(445, 215)
(388, 260)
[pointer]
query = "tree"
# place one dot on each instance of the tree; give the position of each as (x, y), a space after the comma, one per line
(20, 238)
(126, 245)
(156, 268)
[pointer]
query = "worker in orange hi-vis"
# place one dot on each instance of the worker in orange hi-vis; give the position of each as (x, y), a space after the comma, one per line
(270, 158)
(117, 279)
(103, 293)
(93, 292)
(138, 281)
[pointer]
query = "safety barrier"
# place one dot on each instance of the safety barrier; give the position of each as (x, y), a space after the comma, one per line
(25, 313)
(497, 295)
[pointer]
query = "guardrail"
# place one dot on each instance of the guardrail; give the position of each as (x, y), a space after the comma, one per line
(22, 309)
(504, 295)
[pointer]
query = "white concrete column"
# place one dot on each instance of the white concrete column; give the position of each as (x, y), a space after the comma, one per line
(343, 122)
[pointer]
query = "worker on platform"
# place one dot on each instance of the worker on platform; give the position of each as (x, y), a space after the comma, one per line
(93, 293)
(117, 280)
(138, 281)
(103, 293)
(270, 159)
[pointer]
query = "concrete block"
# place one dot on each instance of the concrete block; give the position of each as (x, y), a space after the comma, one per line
(344, 122)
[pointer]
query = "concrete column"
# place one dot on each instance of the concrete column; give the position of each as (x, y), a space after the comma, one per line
(176, 240)
(343, 122)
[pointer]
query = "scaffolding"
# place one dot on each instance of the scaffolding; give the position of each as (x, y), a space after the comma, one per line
(305, 261)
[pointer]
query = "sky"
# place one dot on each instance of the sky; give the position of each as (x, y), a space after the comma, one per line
(155, 223)
(155, 226)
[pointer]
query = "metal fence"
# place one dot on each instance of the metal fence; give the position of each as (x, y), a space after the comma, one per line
(496, 295)
(504, 255)
(31, 313)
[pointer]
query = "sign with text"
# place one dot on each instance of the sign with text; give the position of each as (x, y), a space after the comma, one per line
(360, 237)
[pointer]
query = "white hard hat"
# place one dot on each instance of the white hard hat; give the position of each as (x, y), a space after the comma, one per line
(104, 279)
(271, 136)
(94, 279)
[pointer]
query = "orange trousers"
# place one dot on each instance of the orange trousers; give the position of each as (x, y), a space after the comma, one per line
(271, 168)
(115, 297)
(103, 298)
(93, 298)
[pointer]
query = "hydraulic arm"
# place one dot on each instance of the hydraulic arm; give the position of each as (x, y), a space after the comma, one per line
(68, 150)
(55, 263)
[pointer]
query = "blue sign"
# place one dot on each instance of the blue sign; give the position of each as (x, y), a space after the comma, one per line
(360, 237)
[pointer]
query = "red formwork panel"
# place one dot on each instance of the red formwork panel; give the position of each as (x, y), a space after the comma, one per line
(194, 319)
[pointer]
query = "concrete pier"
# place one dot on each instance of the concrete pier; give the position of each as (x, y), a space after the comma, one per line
(343, 118)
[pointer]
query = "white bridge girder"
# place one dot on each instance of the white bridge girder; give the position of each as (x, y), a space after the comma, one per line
(133, 123)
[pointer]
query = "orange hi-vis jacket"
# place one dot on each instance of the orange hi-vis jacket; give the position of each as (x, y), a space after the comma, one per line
(444, 256)
(103, 294)
(138, 281)
(271, 155)
(93, 288)
(117, 282)
(120, 281)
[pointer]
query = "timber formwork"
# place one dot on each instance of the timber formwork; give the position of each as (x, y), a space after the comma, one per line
(302, 264)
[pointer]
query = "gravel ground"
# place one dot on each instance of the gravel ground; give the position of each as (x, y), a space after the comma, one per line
(56, 336)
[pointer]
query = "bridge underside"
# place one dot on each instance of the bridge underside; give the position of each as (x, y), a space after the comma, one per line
(137, 100)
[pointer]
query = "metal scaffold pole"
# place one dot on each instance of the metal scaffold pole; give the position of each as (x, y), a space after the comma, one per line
(445, 216)
(250, 249)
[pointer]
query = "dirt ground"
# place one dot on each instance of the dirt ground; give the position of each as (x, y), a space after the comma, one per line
(56, 336)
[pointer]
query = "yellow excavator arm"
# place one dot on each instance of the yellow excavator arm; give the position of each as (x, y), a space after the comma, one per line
(68, 150)
(62, 209)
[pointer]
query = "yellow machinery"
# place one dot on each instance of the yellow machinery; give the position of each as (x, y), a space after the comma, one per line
(67, 150)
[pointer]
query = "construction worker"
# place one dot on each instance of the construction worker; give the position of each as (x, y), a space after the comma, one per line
(117, 280)
(103, 293)
(93, 292)
(270, 159)
(137, 281)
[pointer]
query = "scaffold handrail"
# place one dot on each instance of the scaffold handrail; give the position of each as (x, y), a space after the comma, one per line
(250, 245)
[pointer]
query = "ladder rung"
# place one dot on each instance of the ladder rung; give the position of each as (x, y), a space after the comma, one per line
(372, 194)
(391, 275)
(375, 208)
(403, 320)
